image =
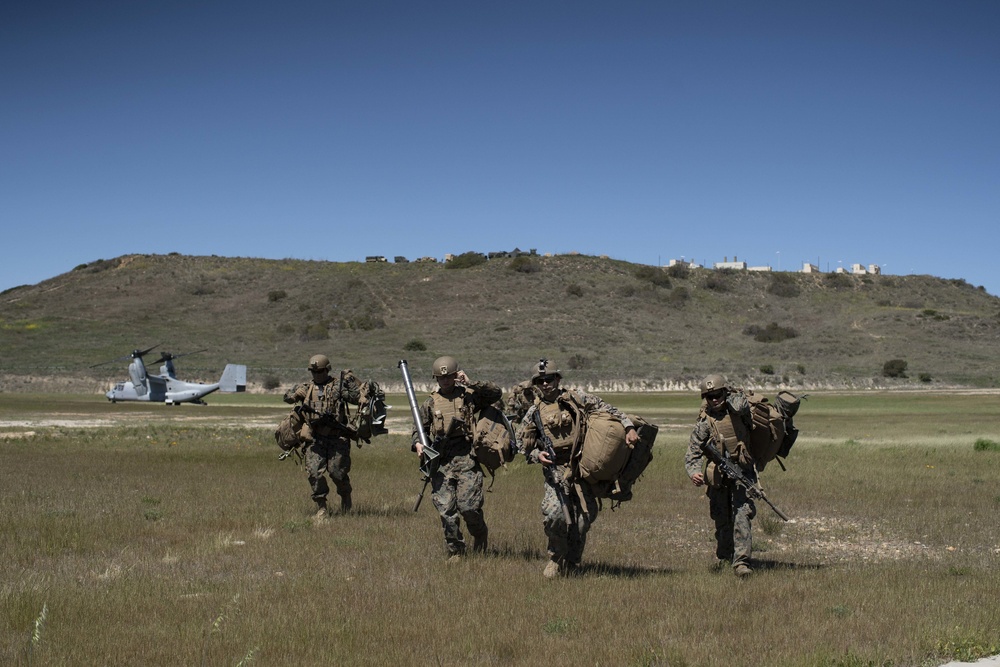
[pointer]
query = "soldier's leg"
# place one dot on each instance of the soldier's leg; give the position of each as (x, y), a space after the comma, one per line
(578, 533)
(720, 509)
(315, 464)
(743, 513)
(339, 469)
(445, 500)
(554, 522)
(469, 498)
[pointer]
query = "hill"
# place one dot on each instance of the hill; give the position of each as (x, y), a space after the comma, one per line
(607, 324)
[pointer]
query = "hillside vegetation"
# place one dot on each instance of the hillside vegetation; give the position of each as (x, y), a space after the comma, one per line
(607, 324)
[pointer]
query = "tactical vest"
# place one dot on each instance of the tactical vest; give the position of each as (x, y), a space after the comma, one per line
(729, 432)
(324, 399)
(563, 423)
(451, 417)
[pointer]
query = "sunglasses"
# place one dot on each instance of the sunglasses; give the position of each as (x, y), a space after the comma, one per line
(546, 379)
(716, 395)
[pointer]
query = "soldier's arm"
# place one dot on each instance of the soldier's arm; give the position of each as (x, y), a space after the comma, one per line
(593, 404)
(694, 456)
(529, 436)
(425, 422)
(484, 393)
(296, 394)
(740, 406)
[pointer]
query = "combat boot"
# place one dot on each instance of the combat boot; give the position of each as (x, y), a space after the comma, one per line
(345, 504)
(321, 511)
(551, 569)
(742, 570)
(480, 543)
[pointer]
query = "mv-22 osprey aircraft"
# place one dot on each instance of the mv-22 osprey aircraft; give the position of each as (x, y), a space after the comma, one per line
(165, 387)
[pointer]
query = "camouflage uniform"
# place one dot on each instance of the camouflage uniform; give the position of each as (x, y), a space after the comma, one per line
(325, 441)
(448, 419)
(569, 508)
(728, 504)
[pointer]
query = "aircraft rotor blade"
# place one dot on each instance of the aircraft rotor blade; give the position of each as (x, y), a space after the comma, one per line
(167, 356)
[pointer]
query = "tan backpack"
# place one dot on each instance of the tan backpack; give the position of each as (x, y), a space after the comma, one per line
(609, 465)
(287, 433)
(773, 433)
(494, 443)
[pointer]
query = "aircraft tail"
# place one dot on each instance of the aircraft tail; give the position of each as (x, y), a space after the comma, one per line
(234, 378)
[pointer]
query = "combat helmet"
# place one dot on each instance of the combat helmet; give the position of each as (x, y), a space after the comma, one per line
(445, 366)
(543, 369)
(319, 362)
(712, 383)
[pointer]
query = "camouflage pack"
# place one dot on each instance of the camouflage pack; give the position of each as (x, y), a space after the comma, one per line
(494, 443)
(369, 420)
(287, 435)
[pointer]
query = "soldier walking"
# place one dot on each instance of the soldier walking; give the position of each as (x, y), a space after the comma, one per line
(326, 434)
(448, 419)
(552, 434)
(726, 422)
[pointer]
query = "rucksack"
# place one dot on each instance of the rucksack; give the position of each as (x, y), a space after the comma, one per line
(494, 442)
(773, 432)
(287, 433)
(369, 420)
(609, 465)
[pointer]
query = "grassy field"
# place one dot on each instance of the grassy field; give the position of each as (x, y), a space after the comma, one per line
(138, 534)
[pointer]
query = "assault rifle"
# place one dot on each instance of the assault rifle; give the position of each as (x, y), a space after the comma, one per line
(328, 418)
(548, 471)
(733, 472)
(430, 458)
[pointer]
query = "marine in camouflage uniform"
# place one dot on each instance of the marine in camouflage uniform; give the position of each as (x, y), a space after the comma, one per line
(448, 419)
(726, 422)
(325, 438)
(569, 507)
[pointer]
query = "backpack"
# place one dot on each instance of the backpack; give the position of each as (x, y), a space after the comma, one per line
(773, 433)
(494, 442)
(609, 465)
(287, 433)
(369, 420)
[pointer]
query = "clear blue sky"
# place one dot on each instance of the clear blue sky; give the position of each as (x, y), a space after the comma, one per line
(778, 132)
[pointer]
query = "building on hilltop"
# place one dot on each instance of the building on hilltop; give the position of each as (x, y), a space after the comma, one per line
(726, 264)
(809, 268)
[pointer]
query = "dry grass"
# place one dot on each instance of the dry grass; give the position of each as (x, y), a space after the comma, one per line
(182, 540)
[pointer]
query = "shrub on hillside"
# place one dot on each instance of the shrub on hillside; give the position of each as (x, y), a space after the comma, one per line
(767, 369)
(577, 361)
(679, 271)
(894, 368)
(271, 383)
(466, 260)
(276, 295)
(772, 333)
(838, 281)
(574, 290)
(984, 445)
(784, 285)
(366, 322)
(653, 275)
(415, 346)
(717, 282)
(524, 264)
(315, 331)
